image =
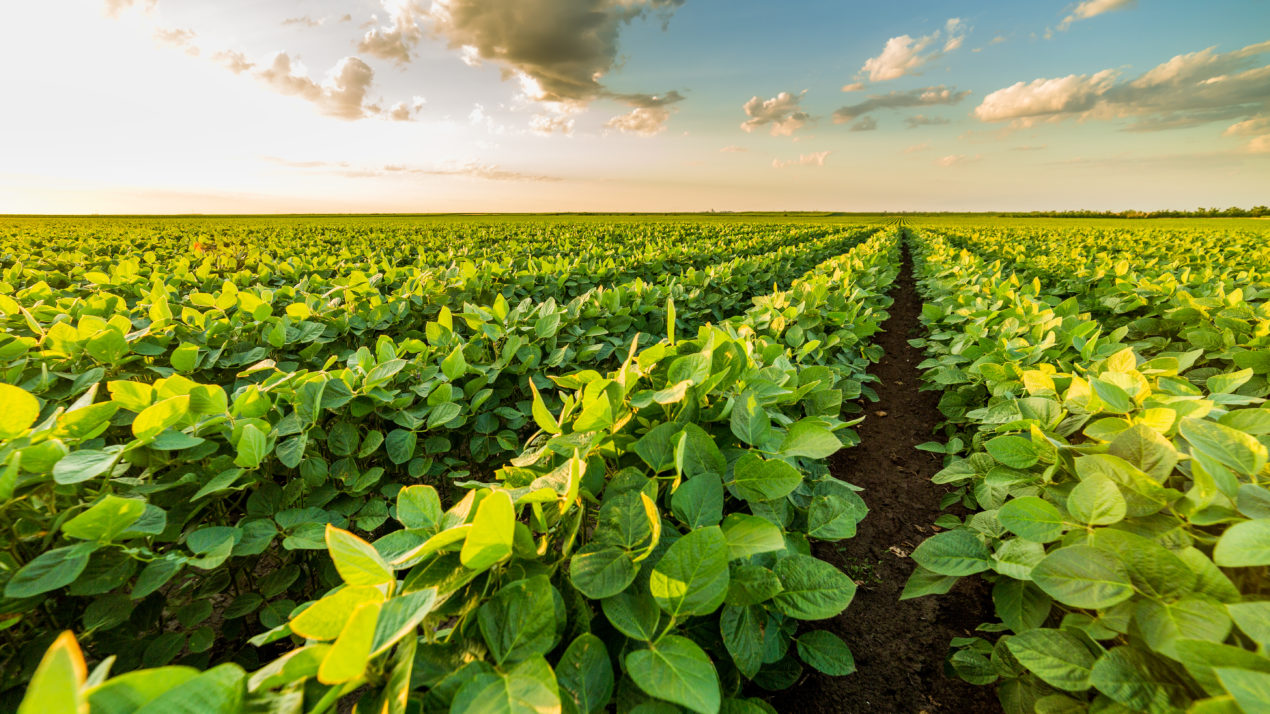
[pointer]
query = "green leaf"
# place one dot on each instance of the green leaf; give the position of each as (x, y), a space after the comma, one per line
(1254, 619)
(692, 577)
(1244, 545)
(1083, 576)
(956, 552)
(831, 517)
(252, 446)
(811, 588)
(454, 365)
(1140, 681)
(519, 621)
(749, 421)
(161, 415)
(1251, 690)
(347, 659)
(596, 415)
(49, 570)
(634, 613)
(751, 584)
(400, 445)
(220, 689)
(810, 440)
(357, 561)
(826, 652)
(493, 528)
(742, 631)
(418, 507)
(526, 689)
(542, 416)
(1032, 518)
(55, 688)
(677, 670)
(18, 411)
(1235, 449)
(185, 357)
(670, 320)
(325, 619)
(1013, 451)
(757, 479)
(1096, 501)
(1060, 659)
(698, 454)
(600, 571)
(748, 535)
(698, 502)
(106, 519)
(84, 464)
(400, 616)
(585, 675)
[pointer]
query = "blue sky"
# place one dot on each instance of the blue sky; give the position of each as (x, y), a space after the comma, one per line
(493, 105)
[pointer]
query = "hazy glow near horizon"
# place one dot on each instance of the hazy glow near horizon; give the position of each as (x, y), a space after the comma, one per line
(241, 106)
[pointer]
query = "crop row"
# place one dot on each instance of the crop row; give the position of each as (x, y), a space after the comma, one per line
(686, 475)
(1116, 477)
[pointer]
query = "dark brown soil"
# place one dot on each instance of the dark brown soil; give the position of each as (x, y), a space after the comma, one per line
(899, 647)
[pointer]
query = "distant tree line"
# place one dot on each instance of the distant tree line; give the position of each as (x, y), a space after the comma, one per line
(1201, 212)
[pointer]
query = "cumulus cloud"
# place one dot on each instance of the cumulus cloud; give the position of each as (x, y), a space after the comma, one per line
(1092, 8)
(924, 97)
(815, 159)
(558, 49)
(342, 94)
(906, 54)
(864, 124)
(401, 111)
(781, 112)
(547, 124)
(395, 42)
(922, 120)
(1187, 90)
(956, 160)
(642, 121)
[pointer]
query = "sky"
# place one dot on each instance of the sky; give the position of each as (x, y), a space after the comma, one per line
(346, 106)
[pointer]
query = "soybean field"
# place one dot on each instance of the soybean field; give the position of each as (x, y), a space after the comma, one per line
(639, 464)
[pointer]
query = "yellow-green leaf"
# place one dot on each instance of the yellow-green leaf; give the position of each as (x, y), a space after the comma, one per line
(490, 539)
(347, 658)
(18, 411)
(55, 687)
(356, 560)
(325, 619)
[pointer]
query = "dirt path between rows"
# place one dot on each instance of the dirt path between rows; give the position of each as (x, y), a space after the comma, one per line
(899, 647)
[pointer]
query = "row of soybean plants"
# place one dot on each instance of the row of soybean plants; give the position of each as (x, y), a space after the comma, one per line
(590, 568)
(318, 422)
(1114, 469)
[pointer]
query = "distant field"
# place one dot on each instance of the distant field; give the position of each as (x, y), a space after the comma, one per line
(463, 461)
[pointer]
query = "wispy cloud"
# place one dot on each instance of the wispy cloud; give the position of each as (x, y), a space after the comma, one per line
(956, 160)
(920, 120)
(1093, 8)
(470, 169)
(816, 159)
(924, 97)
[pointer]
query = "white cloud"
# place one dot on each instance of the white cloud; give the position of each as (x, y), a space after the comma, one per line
(234, 61)
(782, 112)
(342, 94)
(814, 159)
(642, 121)
(905, 54)
(1187, 90)
(547, 124)
(1092, 8)
(177, 37)
(401, 111)
(1044, 98)
(394, 42)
